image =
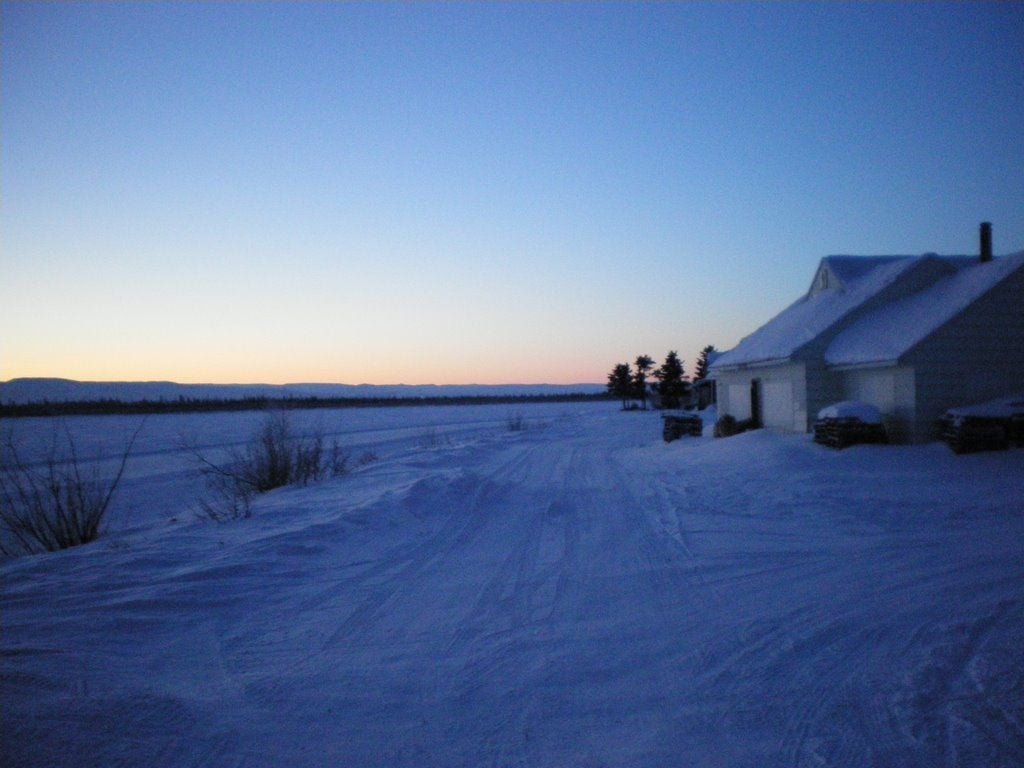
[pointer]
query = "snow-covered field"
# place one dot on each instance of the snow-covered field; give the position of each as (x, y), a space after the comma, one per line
(575, 594)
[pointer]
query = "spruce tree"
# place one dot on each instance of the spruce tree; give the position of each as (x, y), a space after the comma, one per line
(703, 362)
(671, 381)
(643, 365)
(620, 383)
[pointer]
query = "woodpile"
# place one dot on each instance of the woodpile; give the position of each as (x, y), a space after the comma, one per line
(976, 433)
(679, 425)
(840, 432)
(991, 426)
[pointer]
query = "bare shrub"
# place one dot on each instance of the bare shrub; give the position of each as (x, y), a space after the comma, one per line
(229, 499)
(434, 438)
(273, 458)
(54, 504)
(366, 457)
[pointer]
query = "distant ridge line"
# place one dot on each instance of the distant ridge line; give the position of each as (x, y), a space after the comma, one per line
(146, 407)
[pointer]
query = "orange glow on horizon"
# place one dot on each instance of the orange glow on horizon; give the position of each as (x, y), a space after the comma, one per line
(310, 375)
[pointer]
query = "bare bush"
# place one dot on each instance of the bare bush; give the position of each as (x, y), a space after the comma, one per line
(54, 504)
(273, 458)
(366, 457)
(434, 438)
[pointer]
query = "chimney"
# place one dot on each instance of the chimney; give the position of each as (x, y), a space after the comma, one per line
(985, 235)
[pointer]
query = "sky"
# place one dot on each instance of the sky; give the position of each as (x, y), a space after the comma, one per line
(474, 193)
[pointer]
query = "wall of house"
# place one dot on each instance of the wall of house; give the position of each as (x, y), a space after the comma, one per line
(783, 394)
(824, 388)
(891, 390)
(977, 356)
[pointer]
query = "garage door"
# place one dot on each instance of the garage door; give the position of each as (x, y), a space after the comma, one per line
(778, 404)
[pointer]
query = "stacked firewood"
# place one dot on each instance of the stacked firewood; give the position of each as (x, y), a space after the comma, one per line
(966, 434)
(839, 433)
(676, 426)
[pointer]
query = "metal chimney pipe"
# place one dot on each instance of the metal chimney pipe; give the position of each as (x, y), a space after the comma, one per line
(985, 235)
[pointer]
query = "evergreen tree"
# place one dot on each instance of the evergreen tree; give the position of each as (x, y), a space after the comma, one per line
(671, 381)
(643, 365)
(703, 362)
(620, 383)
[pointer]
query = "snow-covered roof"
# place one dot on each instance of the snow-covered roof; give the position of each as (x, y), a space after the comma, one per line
(887, 333)
(862, 278)
(849, 269)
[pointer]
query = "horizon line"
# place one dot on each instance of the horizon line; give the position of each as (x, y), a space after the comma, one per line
(292, 383)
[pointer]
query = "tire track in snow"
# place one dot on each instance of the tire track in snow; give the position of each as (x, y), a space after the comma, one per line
(464, 505)
(461, 525)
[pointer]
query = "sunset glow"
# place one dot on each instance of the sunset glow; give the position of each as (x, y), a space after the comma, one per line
(488, 193)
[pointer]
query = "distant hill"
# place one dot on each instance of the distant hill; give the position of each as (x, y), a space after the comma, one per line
(18, 391)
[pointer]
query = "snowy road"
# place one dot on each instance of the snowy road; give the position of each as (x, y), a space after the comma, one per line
(578, 594)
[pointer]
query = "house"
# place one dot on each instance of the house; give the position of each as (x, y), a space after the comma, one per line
(910, 335)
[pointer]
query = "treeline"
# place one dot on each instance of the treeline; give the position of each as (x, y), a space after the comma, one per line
(671, 388)
(195, 405)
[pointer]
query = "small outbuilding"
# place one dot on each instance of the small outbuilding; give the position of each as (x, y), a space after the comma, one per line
(910, 335)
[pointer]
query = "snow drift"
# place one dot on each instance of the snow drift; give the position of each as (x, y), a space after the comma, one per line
(577, 593)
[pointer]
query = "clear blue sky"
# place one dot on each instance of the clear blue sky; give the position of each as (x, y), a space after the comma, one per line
(474, 193)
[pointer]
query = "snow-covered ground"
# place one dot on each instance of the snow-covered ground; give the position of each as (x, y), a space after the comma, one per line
(575, 594)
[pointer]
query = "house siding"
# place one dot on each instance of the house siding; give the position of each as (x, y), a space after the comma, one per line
(977, 356)
(823, 388)
(737, 398)
(783, 392)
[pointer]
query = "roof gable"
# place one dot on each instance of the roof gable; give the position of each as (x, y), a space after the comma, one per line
(890, 331)
(843, 271)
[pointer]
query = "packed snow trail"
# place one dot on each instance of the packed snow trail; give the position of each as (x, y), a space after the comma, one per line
(578, 594)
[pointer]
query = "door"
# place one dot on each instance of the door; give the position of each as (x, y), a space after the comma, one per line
(755, 402)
